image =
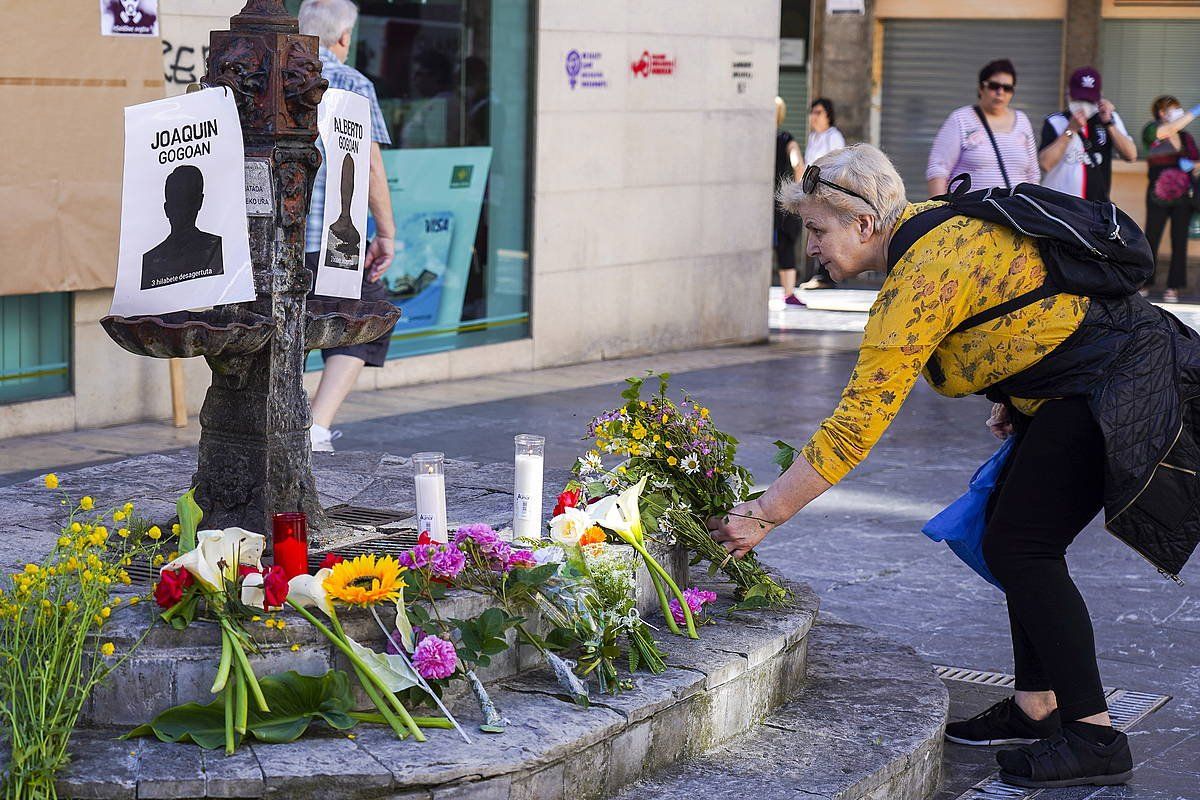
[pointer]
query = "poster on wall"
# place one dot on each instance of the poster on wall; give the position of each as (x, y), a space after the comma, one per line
(437, 196)
(129, 17)
(344, 122)
(184, 239)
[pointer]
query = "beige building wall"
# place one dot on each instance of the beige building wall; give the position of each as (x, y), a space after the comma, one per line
(651, 205)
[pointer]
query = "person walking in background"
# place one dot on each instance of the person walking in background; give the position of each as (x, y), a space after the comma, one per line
(332, 22)
(1171, 155)
(789, 166)
(1077, 144)
(823, 137)
(989, 141)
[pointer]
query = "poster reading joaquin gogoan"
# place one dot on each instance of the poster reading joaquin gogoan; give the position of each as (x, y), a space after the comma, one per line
(184, 239)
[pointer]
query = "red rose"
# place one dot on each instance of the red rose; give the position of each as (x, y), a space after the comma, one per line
(568, 499)
(170, 587)
(425, 538)
(329, 560)
(275, 587)
(244, 570)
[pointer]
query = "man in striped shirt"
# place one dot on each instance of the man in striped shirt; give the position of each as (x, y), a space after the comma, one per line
(332, 21)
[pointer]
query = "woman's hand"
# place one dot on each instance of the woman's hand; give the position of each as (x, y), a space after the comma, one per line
(999, 422)
(741, 528)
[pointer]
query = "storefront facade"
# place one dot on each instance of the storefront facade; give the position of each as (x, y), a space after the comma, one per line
(897, 68)
(569, 184)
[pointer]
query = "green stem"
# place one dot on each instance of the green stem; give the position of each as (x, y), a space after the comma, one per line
(422, 722)
(663, 602)
(387, 693)
(242, 707)
(653, 565)
(247, 670)
(381, 705)
(223, 668)
(340, 644)
(230, 742)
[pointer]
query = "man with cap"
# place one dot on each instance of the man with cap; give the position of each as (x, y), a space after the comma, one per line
(1078, 143)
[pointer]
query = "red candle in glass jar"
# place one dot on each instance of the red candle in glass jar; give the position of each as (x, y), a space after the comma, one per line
(289, 541)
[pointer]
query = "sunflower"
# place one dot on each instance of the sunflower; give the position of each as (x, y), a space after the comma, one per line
(365, 581)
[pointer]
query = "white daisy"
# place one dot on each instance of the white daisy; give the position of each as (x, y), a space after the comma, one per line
(690, 464)
(591, 463)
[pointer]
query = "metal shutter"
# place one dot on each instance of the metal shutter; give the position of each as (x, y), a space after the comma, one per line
(1143, 59)
(793, 88)
(930, 68)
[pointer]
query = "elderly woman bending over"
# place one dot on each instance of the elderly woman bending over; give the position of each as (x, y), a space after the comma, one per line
(852, 201)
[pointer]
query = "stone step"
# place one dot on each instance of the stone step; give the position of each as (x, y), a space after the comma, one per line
(716, 688)
(867, 726)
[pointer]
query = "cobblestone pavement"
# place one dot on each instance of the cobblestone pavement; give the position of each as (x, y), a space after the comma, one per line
(859, 545)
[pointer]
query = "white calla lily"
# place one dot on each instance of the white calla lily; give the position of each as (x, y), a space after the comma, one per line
(568, 528)
(252, 591)
(308, 591)
(620, 513)
(217, 555)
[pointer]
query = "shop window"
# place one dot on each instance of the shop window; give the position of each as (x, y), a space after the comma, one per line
(453, 81)
(35, 346)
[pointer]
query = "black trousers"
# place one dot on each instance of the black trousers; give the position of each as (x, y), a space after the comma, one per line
(1050, 489)
(1180, 216)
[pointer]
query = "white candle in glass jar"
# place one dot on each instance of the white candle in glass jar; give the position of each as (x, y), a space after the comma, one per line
(431, 495)
(527, 488)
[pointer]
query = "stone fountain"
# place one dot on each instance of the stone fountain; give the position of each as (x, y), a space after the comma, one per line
(254, 457)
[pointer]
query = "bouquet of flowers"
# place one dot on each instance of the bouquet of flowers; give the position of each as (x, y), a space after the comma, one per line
(691, 472)
(52, 653)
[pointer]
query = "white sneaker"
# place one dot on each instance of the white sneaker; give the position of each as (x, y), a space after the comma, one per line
(321, 439)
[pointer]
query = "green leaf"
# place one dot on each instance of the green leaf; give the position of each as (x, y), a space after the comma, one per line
(534, 577)
(295, 701)
(393, 670)
(634, 392)
(785, 455)
(190, 515)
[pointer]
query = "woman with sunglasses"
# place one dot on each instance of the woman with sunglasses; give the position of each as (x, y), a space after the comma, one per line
(852, 203)
(989, 141)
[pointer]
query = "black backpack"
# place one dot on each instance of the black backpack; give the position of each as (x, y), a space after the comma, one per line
(1089, 248)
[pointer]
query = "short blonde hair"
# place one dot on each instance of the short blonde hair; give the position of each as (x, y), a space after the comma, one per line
(861, 168)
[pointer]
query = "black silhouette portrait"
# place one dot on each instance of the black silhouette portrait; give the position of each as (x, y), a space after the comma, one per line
(343, 244)
(187, 252)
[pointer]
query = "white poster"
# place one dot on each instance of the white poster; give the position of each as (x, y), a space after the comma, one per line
(344, 121)
(129, 18)
(184, 239)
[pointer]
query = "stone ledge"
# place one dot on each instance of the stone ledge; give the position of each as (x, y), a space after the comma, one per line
(734, 676)
(868, 726)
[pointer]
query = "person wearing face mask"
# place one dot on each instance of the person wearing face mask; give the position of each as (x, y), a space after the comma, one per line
(1171, 154)
(1078, 143)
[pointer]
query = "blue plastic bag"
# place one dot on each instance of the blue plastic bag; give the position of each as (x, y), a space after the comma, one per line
(961, 524)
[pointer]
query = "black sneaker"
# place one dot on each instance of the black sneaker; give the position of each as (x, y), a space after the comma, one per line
(1003, 723)
(1067, 759)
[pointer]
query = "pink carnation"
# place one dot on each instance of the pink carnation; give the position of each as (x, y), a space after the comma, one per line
(447, 562)
(696, 600)
(1171, 185)
(435, 658)
(522, 558)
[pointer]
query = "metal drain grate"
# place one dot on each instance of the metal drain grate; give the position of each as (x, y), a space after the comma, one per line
(1126, 708)
(359, 516)
(974, 676)
(391, 544)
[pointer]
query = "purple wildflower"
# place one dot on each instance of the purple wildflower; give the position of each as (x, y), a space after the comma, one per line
(696, 600)
(494, 550)
(447, 562)
(418, 557)
(435, 658)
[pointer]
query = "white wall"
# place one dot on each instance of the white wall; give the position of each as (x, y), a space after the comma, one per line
(652, 196)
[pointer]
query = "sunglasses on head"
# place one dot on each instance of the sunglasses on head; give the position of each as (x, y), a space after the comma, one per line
(997, 86)
(812, 176)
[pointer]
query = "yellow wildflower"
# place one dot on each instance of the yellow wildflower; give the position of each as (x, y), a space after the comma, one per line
(51, 481)
(133, 601)
(76, 527)
(127, 508)
(256, 618)
(280, 624)
(64, 541)
(96, 618)
(672, 461)
(295, 648)
(107, 649)
(32, 569)
(621, 469)
(175, 528)
(643, 404)
(657, 438)
(123, 533)
(664, 419)
(106, 612)
(86, 503)
(704, 413)
(119, 515)
(87, 576)
(71, 607)
(638, 432)
(158, 560)
(154, 533)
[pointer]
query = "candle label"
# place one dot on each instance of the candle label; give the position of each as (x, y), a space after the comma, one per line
(524, 506)
(426, 523)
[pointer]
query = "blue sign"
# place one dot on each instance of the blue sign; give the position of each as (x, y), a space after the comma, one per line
(584, 71)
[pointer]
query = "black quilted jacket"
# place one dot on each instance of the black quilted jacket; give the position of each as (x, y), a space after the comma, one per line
(1139, 367)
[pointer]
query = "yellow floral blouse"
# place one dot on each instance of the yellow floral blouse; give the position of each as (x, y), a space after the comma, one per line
(962, 267)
